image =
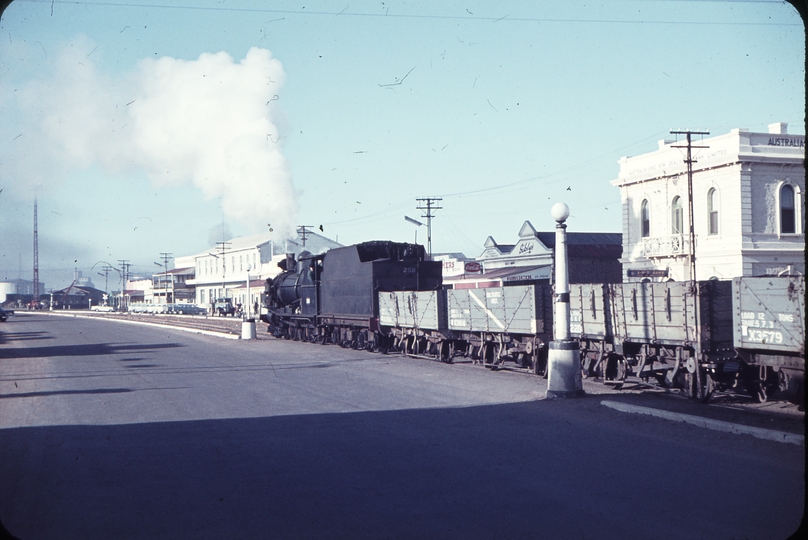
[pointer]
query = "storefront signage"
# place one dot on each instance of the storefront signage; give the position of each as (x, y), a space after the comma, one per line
(786, 141)
(647, 273)
(527, 247)
(473, 267)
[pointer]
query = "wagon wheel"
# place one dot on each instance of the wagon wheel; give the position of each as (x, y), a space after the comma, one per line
(488, 354)
(540, 362)
(446, 351)
(699, 388)
(585, 365)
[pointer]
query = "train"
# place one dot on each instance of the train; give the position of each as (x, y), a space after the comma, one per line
(701, 337)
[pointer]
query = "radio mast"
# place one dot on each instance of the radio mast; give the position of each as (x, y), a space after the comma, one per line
(35, 299)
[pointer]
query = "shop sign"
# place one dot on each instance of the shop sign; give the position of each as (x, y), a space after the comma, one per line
(647, 273)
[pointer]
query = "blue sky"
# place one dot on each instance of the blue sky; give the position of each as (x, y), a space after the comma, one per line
(158, 126)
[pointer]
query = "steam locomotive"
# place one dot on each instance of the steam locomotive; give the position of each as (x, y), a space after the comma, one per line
(700, 337)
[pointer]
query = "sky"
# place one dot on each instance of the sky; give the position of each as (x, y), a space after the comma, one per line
(148, 127)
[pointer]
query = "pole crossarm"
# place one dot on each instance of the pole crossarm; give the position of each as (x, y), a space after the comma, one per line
(428, 206)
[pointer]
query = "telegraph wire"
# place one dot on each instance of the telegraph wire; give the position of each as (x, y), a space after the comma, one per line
(475, 18)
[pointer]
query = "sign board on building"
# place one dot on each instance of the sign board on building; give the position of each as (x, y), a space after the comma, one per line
(473, 267)
(647, 273)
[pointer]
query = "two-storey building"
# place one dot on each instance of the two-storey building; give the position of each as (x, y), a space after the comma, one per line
(747, 197)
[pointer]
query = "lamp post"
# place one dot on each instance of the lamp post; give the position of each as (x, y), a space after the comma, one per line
(248, 300)
(563, 355)
(416, 223)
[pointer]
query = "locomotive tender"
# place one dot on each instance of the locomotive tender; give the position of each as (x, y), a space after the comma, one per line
(699, 337)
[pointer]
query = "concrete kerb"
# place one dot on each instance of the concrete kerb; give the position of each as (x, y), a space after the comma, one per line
(157, 325)
(717, 425)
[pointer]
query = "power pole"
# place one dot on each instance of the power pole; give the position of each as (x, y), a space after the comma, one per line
(124, 278)
(700, 389)
(223, 247)
(303, 231)
(690, 161)
(426, 204)
(166, 257)
(106, 268)
(35, 298)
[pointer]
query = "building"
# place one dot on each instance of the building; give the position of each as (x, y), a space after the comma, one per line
(172, 287)
(454, 264)
(223, 271)
(593, 257)
(77, 297)
(18, 292)
(748, 197)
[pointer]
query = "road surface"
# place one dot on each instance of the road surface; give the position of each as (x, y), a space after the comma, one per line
(111, 430)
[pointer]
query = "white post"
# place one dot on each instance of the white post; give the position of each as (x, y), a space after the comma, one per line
(563, 356)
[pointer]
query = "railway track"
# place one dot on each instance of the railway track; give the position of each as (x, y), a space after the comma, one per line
(221, 325)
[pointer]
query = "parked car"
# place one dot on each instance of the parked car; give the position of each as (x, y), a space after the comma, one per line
(5, 314)
(188, 309)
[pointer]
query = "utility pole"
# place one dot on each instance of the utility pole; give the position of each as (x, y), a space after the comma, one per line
(124, 278)
(35, 298)
(223, 247)
(427, 205)
(166, 257)
(106, 270)
(698, 388)
(690, 161)
(303, 231)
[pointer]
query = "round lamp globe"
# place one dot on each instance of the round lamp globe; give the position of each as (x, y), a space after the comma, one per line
(560, 212)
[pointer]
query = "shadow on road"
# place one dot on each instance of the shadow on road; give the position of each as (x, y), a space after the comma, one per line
(67, 392)
(533, 469)
(92, 349)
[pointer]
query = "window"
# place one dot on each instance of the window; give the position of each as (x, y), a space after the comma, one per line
(712, 211)
(677, 219)
(788, 221)
(645, 219)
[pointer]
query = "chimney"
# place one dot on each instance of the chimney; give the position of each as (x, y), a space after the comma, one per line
(664, 142)
(778, 128)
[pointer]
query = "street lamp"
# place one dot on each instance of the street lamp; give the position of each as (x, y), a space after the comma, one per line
(416, 223)
(563, 355)
(106, 284)
(248, 301)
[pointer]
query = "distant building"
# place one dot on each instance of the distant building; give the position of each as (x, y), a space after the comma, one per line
(18, 292)
(454, 264)
(222, 271)
(748, 200)
(593, 257)
(77, 297)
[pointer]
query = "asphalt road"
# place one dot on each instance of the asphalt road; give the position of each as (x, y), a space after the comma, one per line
(120, 431)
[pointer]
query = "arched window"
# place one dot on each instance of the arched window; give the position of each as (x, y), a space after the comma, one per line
(645, 219)
(788, 221)
(712, 211)
(677, 216)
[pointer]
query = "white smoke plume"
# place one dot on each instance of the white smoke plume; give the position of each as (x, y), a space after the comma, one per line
(210, 122)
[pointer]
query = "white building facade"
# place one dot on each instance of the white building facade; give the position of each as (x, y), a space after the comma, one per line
(748, 192)
(223, 271)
